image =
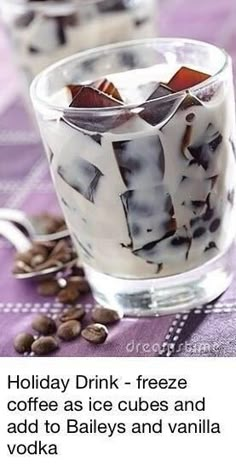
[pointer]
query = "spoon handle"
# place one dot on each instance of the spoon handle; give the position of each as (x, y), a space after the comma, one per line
(17, 216)
(14, 236)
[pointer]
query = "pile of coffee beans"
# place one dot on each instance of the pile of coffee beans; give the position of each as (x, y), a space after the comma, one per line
(66, 327)
(67, 290)
(44, 255)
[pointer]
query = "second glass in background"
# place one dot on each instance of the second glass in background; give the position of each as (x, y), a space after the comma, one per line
(43, 32)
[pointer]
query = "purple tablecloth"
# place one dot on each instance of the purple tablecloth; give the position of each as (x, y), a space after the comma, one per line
(26, 184)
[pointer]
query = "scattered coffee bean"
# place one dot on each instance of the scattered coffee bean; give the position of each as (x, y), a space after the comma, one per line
(62, 251)
(23, 342)
(24, 257)
(105, 315)
(48, 288)
(75, 313)
(44, 325)
(39, 250)
(44, 345)
(50, 263)
(69, 294)
(80, 283)
(95, 333)
(69, 330)
(21, 268)
(77, 271)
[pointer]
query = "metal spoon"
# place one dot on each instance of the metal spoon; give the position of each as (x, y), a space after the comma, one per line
(23, 244)
(30, 225)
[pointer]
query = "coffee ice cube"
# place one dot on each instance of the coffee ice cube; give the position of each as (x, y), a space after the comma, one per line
(91, 98)
(156, 110)
(186, 78)
(169, 249)
(141, 161)
(84, 177)
(46, 34)
(205, 152)
(108, 88)
(149, 213)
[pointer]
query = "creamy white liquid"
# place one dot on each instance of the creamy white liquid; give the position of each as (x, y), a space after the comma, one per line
(129, 238)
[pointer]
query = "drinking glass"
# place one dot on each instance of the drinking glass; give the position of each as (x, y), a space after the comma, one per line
(43, 32)
(147, 188)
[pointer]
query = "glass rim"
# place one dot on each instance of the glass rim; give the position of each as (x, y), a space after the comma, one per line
(117, 46)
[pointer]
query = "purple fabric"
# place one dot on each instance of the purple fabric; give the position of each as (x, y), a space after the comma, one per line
(26, 184)
(210, 336)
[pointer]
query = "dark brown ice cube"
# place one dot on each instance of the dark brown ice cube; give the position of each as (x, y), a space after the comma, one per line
(155, 111)
(74, 89)
(186, 78)
(91, 98)
(108, 88)
(189, 101)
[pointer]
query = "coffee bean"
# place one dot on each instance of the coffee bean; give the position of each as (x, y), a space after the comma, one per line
(77, 271)
(80, 283)
(62, 256)
(23, 342)
(44, 325)
(60, 246)
(25, 257)
(49, 245)
(21, 268)
(69, 330)
(95, 333)
(48, 288)
(50, 263)
(105, 315)
(44, 345)
(75, 313)
(36, 260)
(38, 249)
(69, 294)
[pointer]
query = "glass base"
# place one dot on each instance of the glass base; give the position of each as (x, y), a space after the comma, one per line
(154, 297)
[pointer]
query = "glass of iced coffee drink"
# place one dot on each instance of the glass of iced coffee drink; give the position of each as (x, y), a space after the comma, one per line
(44, 31)
(140, 138)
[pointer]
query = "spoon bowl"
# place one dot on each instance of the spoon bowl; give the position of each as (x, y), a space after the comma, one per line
(31, 225)
(22, 244)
